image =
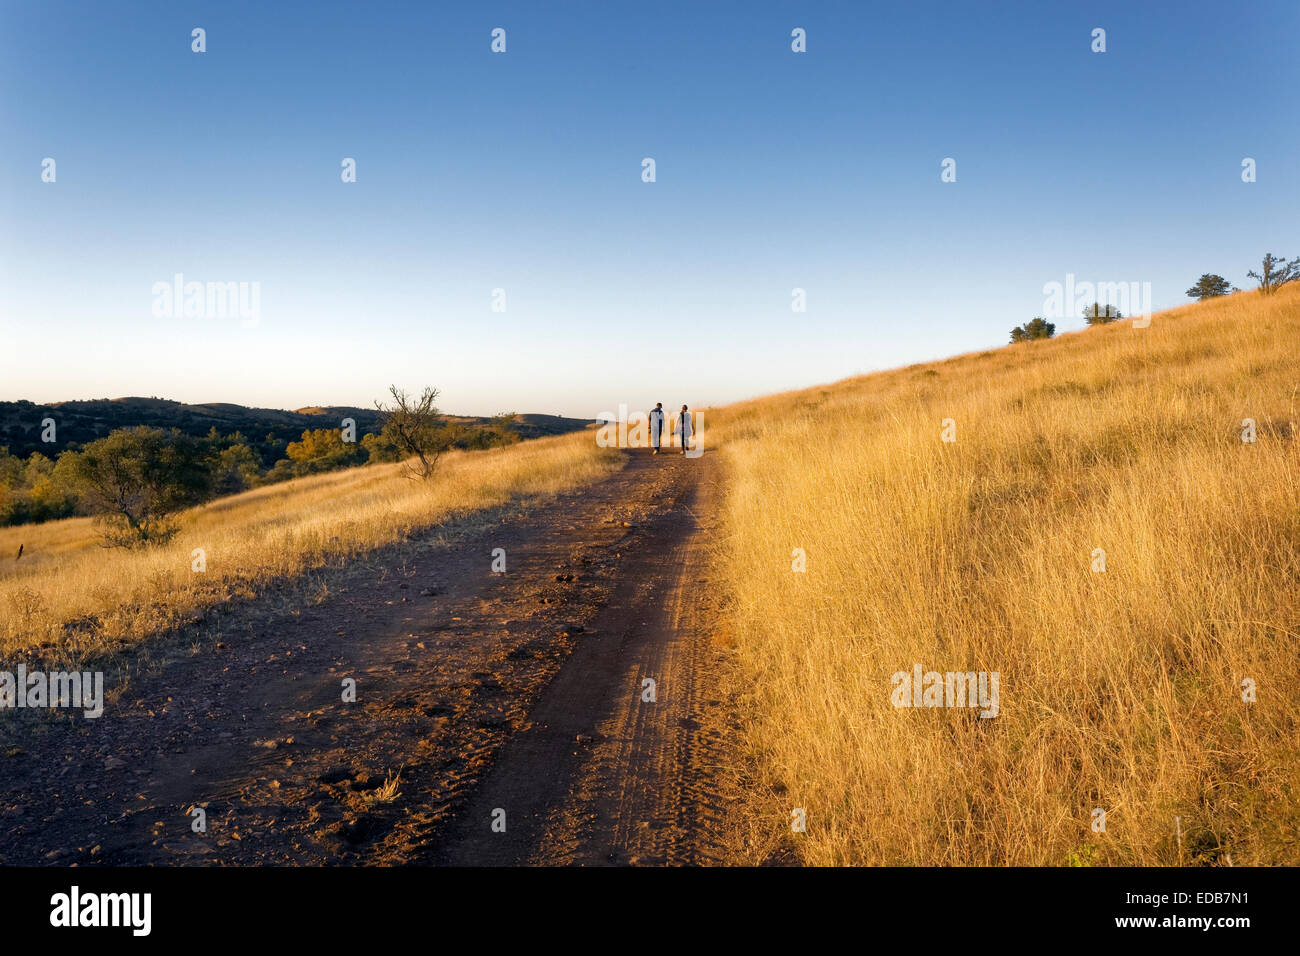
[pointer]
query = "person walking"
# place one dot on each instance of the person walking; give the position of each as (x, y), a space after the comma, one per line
(683, 427)
(656, 426)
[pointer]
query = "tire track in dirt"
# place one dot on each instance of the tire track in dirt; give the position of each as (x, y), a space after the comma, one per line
(604, 775)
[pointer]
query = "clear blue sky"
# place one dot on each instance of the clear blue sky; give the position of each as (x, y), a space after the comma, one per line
(522, 171)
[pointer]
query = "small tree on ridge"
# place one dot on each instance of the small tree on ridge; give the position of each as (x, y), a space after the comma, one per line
(1209, 286)
(415, 427)
(1036, 328)
(1276, 273)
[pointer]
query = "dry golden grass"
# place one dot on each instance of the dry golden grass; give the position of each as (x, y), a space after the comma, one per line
(1119, 690)
(76, 597)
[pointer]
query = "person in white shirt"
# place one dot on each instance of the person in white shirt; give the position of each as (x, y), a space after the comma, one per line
(656, 426)
(683, 427)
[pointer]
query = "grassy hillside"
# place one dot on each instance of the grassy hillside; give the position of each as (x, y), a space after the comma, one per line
(1119, 690)
(78, 598)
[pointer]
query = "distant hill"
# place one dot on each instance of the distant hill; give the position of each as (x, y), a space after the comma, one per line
(268, 429)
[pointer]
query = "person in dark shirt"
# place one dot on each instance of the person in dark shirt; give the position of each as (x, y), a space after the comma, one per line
(656, 426)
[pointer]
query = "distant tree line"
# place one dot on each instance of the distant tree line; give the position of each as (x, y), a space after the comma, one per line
(266, 432)
(135, 478)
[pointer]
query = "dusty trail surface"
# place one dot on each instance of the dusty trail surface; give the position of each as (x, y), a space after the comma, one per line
(477, 692)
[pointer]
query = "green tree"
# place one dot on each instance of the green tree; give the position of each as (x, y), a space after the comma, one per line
(237, 469)
(282, 470)
(48, 493)
(323, 449)
(1036, 328)
(381, 447)
(1098, 314)
(1209, 286)
(503, 430)
(135, 479)
(496, 431)
(11, 476)
(1276, 273)
(31, 490)
(11, 468)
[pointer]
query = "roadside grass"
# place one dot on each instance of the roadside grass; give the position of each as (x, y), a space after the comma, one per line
(70, 598)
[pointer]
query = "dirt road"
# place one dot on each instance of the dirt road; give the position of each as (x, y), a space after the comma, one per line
(619, 762)
(499, 718)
